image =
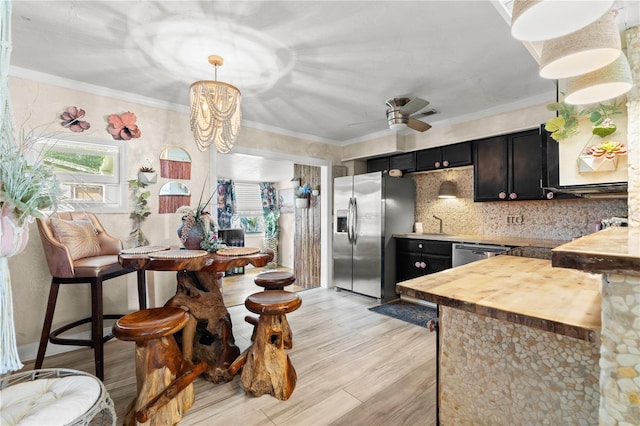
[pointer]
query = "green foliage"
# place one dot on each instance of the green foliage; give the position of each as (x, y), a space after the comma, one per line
(271, 224)
(25, 188)
(140, 213)
(565, 125)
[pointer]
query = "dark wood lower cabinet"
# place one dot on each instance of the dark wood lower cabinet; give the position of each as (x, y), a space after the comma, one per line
(415, 258)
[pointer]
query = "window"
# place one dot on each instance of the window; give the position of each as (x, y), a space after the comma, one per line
(249, 207)
(92, 174)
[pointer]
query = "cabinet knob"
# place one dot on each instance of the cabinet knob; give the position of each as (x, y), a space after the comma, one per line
(445, 163)
(417, 264)
(502, 195)
(513, 196)
(423, 265)
(549, 195)
(420, 245)
(437, 164)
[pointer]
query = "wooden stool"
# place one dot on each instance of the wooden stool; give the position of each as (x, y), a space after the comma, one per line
(274, 280)
(164, 377)
(266, 367)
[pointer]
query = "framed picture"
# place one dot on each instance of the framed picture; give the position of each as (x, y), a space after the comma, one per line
(285, 199)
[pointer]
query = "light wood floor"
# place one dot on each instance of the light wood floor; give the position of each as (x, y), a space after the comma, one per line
(236, 288)
(355, 367)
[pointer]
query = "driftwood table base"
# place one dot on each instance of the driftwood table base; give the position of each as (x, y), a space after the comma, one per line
(210, 337)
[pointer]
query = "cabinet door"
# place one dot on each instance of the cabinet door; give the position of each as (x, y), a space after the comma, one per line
(490, 168)
(378, 164)
(409, 265)
(457, 155)
(429, 159)
(405, 162)
(526, 166)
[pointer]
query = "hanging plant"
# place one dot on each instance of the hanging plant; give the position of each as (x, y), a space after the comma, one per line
(140, 213)
(565, 125)
(123, 127)
(71, 120)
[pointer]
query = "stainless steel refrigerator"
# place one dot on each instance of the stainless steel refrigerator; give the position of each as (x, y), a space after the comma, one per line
(368, 210)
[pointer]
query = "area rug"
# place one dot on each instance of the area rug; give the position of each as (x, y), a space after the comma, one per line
(408, 312)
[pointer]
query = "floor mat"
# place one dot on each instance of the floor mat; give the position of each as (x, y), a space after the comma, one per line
(409, 312)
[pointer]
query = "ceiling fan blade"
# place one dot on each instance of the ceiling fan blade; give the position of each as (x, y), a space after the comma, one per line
(418, 125)
(363, 122)
(413, 106)
(428, 113)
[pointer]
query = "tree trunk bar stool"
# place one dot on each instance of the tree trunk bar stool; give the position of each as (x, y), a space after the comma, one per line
(164, 378)
(54, 396)
(266, 367)
(275, 280)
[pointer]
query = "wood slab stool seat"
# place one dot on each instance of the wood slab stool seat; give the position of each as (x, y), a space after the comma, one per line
(274, 280)
(266, 367)
(164, 378)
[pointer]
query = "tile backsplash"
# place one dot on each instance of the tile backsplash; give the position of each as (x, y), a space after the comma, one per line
(546, 219)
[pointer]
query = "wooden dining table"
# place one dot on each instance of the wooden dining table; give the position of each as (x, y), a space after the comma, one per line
(208, 336)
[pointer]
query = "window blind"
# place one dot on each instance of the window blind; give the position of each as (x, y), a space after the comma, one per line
(248, 199)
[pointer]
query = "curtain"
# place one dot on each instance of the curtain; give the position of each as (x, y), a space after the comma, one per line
(226, 203)
(269, 198)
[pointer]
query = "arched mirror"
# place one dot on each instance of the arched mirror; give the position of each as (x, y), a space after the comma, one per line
(175, 163)
(174, 195)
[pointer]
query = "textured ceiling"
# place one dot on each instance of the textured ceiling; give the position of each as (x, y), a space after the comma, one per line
(310, 67)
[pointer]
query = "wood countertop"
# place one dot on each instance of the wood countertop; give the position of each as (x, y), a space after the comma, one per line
(612, 250)
(485, 239)
(521, 290)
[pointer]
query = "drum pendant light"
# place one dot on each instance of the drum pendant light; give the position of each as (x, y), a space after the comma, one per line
(594, 46)
(600, 85)
(538, 20)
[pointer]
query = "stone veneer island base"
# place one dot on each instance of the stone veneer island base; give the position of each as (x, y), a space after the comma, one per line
(519, 342)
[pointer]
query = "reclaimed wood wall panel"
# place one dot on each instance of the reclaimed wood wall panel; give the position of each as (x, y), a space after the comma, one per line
(306, 264)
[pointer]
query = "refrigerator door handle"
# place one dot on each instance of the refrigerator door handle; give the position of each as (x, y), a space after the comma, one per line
(354, 221)
(350, 220)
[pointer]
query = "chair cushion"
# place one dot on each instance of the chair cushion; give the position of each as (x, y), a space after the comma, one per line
(79, 236)
(54, 401)
(96, 266)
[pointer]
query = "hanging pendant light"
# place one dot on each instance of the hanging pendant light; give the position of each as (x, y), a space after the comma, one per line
(538, 20)
(594, 46)
(600, 85)
(215, 111)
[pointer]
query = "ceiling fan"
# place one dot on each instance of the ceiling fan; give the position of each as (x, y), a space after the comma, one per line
(400, 111)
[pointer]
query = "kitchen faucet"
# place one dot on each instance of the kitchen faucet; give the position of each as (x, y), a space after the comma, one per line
(436, 217)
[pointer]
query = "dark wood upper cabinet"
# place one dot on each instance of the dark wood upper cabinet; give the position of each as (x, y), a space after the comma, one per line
(442, 157)
(378, 164)
(509, 167)
(405, 162)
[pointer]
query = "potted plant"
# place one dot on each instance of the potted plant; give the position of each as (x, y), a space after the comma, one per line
(25, 190)
(140, 212)
(198, 230)
(302, 196)
(147, 175)
(271, 236)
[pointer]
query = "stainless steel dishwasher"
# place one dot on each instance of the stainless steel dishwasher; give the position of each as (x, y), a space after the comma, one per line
(467, 253)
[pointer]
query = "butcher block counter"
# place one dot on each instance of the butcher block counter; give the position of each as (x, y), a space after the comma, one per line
(518, 342)
(517, 289)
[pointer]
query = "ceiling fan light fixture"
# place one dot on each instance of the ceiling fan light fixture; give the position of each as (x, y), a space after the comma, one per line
(215, 111)
(592, 47)
(600, 85)
(538, 20)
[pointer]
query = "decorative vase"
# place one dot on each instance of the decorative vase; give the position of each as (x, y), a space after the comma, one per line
(271, 244)
(302, 203)
(194, 236)
(13, 237)
(148, 177)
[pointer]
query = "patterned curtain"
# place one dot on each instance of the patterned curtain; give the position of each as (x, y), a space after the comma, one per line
(269, 198)
(226, 203)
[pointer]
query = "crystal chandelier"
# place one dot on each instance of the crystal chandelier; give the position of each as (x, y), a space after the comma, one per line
(215, 111)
